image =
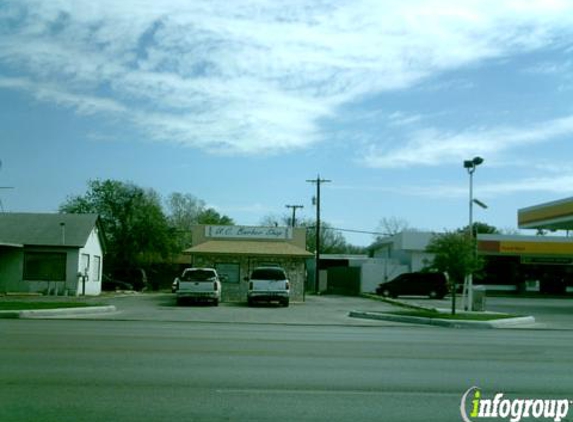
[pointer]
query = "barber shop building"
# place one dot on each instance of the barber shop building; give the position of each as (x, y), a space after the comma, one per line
(234, 251)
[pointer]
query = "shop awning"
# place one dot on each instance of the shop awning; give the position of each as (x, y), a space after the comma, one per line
(11, 245)
(238, 247)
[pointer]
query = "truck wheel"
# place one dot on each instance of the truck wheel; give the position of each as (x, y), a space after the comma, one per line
(215, 302)
(285, 302)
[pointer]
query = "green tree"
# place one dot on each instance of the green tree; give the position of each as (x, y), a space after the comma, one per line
(213, 217)
(480, 228)
(137, 230)
(454, 254)
(185, 211)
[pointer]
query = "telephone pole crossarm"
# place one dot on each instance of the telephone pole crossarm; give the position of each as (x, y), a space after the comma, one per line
(294, 208)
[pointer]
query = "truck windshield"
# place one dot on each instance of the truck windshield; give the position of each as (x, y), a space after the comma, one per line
(198, 275)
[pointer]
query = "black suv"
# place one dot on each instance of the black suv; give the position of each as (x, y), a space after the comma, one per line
(434, 285)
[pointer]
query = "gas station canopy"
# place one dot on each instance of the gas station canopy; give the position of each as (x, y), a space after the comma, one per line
(556, 215)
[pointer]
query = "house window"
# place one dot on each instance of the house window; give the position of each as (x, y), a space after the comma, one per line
(85, 264)
(49, 266)
(96, 268)
(228, 273)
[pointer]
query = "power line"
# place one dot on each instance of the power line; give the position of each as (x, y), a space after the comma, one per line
(357, 231)
(350, 230)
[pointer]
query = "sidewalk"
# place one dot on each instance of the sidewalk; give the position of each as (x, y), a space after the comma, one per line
(57, 313)
(542, 313)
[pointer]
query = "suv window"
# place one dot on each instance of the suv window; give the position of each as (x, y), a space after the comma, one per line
(199, 275)
(268, 274)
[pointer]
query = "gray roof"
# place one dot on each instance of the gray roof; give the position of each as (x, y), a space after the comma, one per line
(47, 229)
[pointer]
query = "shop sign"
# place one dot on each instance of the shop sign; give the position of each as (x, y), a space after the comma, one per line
(245, 232)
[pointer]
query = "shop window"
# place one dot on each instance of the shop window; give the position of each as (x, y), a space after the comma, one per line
(48, 266)
(229, 273)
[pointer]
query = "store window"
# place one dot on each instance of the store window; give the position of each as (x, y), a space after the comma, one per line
(229, 273)
(48, 266)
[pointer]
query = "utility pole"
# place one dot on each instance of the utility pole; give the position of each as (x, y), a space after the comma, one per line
(318, 181)
(294, 208)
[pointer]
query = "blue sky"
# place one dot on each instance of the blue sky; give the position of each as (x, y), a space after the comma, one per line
(240, 102)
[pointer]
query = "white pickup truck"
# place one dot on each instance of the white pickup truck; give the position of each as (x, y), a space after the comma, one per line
(198, 284)
(268, 284)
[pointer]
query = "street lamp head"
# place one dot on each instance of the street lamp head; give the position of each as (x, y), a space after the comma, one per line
(471, 165)
(480, 203)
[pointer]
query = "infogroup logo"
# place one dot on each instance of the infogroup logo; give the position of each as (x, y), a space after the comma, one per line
(512, 409)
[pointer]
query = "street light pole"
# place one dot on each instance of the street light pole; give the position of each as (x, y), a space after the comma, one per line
(470, 166)
(3, 187)
(318, 181)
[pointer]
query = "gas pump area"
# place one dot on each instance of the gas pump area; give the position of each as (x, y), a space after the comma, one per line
(539, 263)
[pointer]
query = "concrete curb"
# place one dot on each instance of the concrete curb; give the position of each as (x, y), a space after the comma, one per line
(60, 312)
(499, 323)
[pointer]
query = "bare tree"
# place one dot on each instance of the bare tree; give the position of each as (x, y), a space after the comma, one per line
(273, 220)
(390, 226)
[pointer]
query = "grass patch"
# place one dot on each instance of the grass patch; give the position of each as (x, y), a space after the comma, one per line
(28, 306)
(458, 316)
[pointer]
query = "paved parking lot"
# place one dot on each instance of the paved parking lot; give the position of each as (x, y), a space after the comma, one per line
(316, 310)
(550, 313)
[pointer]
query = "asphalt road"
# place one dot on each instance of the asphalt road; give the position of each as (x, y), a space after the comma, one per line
(104, 370)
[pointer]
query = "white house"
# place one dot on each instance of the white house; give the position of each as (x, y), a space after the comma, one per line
(407, 248)
(60, 254)
(391, 256)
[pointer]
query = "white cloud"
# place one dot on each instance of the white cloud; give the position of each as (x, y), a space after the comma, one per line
(82, 103)
(560, 185)
(254, 76)
(431, 147)
(401, 119)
